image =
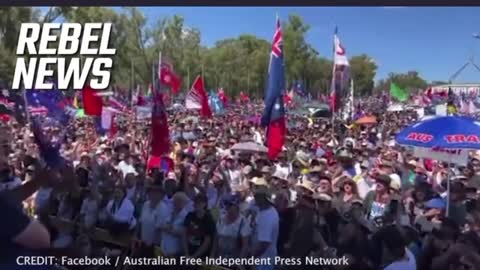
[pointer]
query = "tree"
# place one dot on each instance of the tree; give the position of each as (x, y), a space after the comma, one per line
(363, 71)
(235, 64)
(408, 81)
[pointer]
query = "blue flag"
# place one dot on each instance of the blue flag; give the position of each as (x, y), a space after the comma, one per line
(216, 103)
(53, 100)
(48, 152)
(273, 116)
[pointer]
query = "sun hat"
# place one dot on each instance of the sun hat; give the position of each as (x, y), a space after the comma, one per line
(307, 185)
(259, 181)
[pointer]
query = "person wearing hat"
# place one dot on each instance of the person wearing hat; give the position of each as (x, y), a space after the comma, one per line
(233, 230)
(153, 210)
(265, 236)
(199, 229)
(348, 193)
(297, 241)
(230, 169)
(377, 200)
(305, 187)
(329, 218)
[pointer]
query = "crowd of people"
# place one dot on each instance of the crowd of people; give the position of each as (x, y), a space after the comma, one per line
(337, 190)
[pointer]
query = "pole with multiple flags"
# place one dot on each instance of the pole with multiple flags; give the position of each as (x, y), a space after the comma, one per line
(339, 76)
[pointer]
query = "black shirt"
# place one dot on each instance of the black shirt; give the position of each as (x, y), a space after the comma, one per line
(197, 229)
(287, 216)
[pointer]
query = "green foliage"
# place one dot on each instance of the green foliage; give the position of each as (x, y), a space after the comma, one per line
(235, 64)
(408, 81)
(363, 70)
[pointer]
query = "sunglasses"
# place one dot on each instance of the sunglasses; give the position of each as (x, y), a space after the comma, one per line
(29, 171)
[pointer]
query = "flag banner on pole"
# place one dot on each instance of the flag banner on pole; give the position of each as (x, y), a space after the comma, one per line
(92, 102)
(160, 136)
(398, 93)
(168, 77)
(340, 75)
(48, 152)
(197, 98)
(273, 117)
(53, 100)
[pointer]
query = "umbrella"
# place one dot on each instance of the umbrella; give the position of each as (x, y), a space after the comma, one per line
(451, 132)
(321, 113)
(249, 147)
(454, 132)
(366, 120)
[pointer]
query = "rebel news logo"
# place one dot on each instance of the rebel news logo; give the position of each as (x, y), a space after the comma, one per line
(70, 54)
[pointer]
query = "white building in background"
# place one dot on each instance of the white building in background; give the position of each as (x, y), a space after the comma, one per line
(460, 88)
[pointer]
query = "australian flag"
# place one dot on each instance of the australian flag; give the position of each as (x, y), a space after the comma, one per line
(53, 100)
(273, 117)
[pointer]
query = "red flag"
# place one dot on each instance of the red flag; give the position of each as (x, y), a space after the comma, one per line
(160, 144)
(92, 103)
(169, 78)
(198, 91)
(244, 97)
(223, 97)
(113, 128)
(165, 164)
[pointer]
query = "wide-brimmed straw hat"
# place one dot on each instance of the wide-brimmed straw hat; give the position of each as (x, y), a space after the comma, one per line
(307, 185)
(259, 181)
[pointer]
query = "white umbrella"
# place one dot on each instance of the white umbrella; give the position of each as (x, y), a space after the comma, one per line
(249, 147)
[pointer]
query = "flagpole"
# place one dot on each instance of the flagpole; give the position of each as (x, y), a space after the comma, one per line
(159, 68)
(188, 77)
(351, 99)
(27, 113)
(248, 81)
(132, 83)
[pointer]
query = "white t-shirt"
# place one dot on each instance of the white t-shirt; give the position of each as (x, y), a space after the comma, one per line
(408, 264)
(266, 230)
(228, 235)
(126, 168)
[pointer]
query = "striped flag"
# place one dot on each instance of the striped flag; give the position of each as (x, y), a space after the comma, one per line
(340, 73)
(37, 111)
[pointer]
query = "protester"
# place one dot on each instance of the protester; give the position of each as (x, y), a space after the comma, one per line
(334, 190)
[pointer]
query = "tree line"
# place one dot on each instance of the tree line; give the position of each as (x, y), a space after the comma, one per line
(235, 64)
